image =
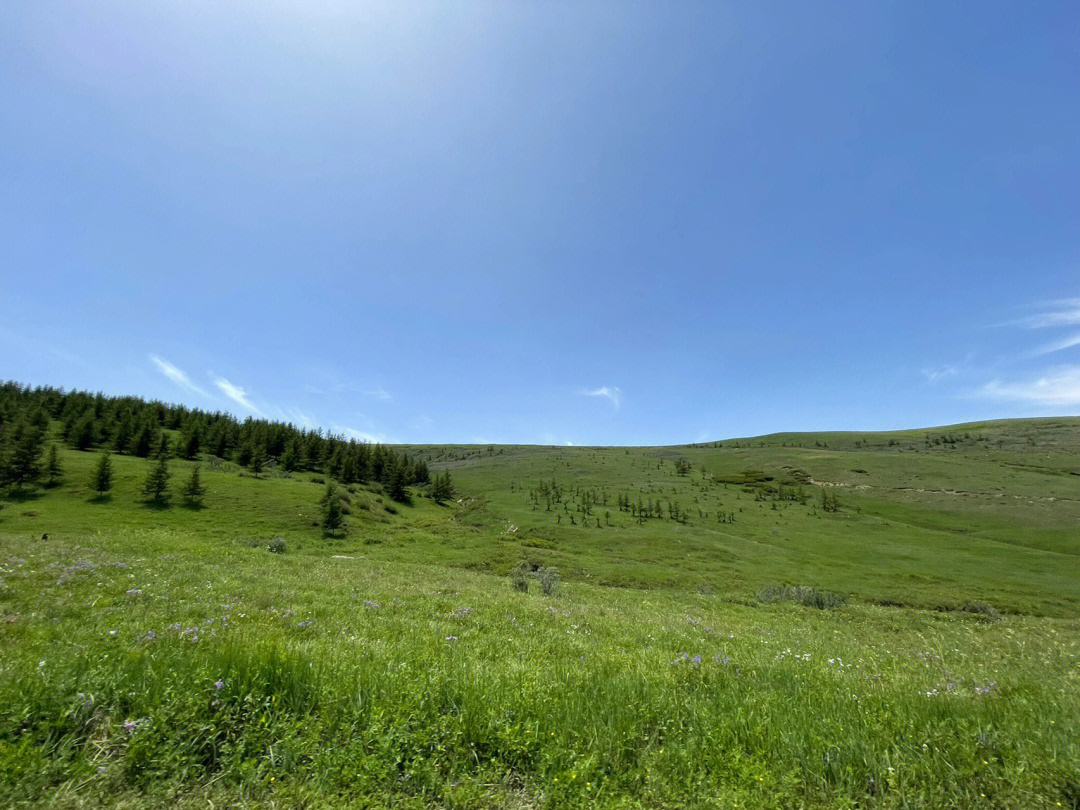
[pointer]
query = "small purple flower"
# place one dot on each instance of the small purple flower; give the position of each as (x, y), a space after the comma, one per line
(696, 660)
(219, 684)
(130, 726)
(306, 623)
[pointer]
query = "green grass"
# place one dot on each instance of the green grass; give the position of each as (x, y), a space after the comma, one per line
(395, 664)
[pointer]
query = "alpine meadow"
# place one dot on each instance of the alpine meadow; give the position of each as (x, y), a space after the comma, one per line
(833, 619)
(564, 405)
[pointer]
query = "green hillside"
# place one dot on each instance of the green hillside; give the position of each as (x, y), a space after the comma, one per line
(158, 651)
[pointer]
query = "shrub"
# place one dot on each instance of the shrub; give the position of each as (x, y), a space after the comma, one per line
(804, 595)
(276, 546)
(983, 609)
(549, 578)
(519, 577)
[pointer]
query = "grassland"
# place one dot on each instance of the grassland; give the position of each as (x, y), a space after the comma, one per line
(157, 655)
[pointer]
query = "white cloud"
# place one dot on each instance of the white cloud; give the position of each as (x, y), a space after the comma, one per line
(295, 416)
(237, 395)
(940, 373)
(380, 393)
(1058, 387)
(361, 435)
(1057, 345)
(1065, 312)
(612, 393)
(177, 375)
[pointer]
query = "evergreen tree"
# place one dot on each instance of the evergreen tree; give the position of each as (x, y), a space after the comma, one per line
(102, 482)
(331, 504)
(84, 432)
(144, 441)
(156, 487)
(290, 458)
(23, 457)
(194, 490)
(399, 482)
(441, 488)
(190, 440)
(258, 460)
(124, 434)
(52, 466)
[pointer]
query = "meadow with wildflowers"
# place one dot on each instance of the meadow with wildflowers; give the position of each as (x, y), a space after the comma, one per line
(918, 646)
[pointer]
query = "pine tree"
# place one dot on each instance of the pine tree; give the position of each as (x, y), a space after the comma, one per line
(123, 435)
(52, 467)
(258, 460)
(23, 457)
(156, 487)
(331, 504)
(84, 432)
(102, 482)
(399, 482)
(441, 488)
(190, 440)
(194, 490)
(144, 441)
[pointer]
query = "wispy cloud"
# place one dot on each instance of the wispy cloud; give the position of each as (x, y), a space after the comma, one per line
(177, 375)
(940, 373)
(1057, 345)
(609, 392)
(360, 435)
(380, 393)
(1059, 387)
(237, 395)
(1064, 312)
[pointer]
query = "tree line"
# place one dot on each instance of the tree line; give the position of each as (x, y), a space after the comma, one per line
(133, 426)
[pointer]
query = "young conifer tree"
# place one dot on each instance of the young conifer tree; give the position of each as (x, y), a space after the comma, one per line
(156, 487)
(194, 490)
(102, 481)
(53, 470)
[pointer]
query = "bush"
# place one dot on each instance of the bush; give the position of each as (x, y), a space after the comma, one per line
(519, 577)
(549, 578)
(982, 609)
(276, 546)
(804, 595)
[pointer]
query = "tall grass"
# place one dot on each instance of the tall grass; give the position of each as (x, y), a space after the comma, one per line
(160, 668)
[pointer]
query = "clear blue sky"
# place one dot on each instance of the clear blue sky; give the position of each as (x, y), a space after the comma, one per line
(606, 223)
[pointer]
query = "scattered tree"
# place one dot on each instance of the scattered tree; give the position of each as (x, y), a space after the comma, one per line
(332, 513)
(194, 490)
(53, 470)
(156, 487)
(102, 482)
(258, 461)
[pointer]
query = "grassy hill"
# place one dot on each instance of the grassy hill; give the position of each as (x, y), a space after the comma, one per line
(162, 653)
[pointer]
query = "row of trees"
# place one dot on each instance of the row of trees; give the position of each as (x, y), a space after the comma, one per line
(133, 426)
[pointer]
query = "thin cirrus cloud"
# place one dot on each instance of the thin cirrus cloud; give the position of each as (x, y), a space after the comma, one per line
(611, 393)
(237, 395)
(360, 435)
(380, 393)
(177, 375)
(1059, 387)
(940, 373)
(1058, 345)
(1063, 312)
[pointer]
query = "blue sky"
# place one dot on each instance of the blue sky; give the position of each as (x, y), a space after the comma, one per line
(605, 223)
